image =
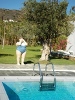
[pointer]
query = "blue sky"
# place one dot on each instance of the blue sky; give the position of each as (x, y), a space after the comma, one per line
(18, 4)
(11, 4)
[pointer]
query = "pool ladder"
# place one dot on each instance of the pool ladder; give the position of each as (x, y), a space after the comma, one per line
(38, 67)
(46, 86)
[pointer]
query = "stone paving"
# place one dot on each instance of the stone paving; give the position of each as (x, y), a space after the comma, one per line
(30, 66)
(27, 70)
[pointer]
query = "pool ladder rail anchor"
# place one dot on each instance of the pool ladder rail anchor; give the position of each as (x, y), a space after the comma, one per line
(46, 86)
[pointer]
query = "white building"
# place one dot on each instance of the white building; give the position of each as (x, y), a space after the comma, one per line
(10, 20)
(71, 42)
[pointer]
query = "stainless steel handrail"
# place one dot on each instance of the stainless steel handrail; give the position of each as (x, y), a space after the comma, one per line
(49, 66)
(38, 67)
(41, 75)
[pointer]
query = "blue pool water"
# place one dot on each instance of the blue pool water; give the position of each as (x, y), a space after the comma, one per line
(30, 91)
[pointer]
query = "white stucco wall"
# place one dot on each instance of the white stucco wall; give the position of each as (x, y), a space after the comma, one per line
(71, 41)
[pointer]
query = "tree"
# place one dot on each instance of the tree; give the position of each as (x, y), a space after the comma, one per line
(49, 16)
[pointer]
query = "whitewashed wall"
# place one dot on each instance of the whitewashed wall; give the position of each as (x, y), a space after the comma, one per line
(71, 41)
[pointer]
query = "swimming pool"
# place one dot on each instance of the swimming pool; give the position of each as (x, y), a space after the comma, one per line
(29, 90)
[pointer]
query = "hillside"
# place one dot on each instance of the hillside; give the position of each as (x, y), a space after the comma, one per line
(6, 14)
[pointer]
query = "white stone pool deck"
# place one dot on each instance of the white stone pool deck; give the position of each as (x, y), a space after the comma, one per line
(8, 69)
(4, 76)
(30, 67)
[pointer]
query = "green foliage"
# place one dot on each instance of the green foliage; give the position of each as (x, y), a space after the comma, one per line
(49, 16)
(37, 22)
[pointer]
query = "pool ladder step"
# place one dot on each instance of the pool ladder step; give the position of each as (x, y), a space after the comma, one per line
(47, 86)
